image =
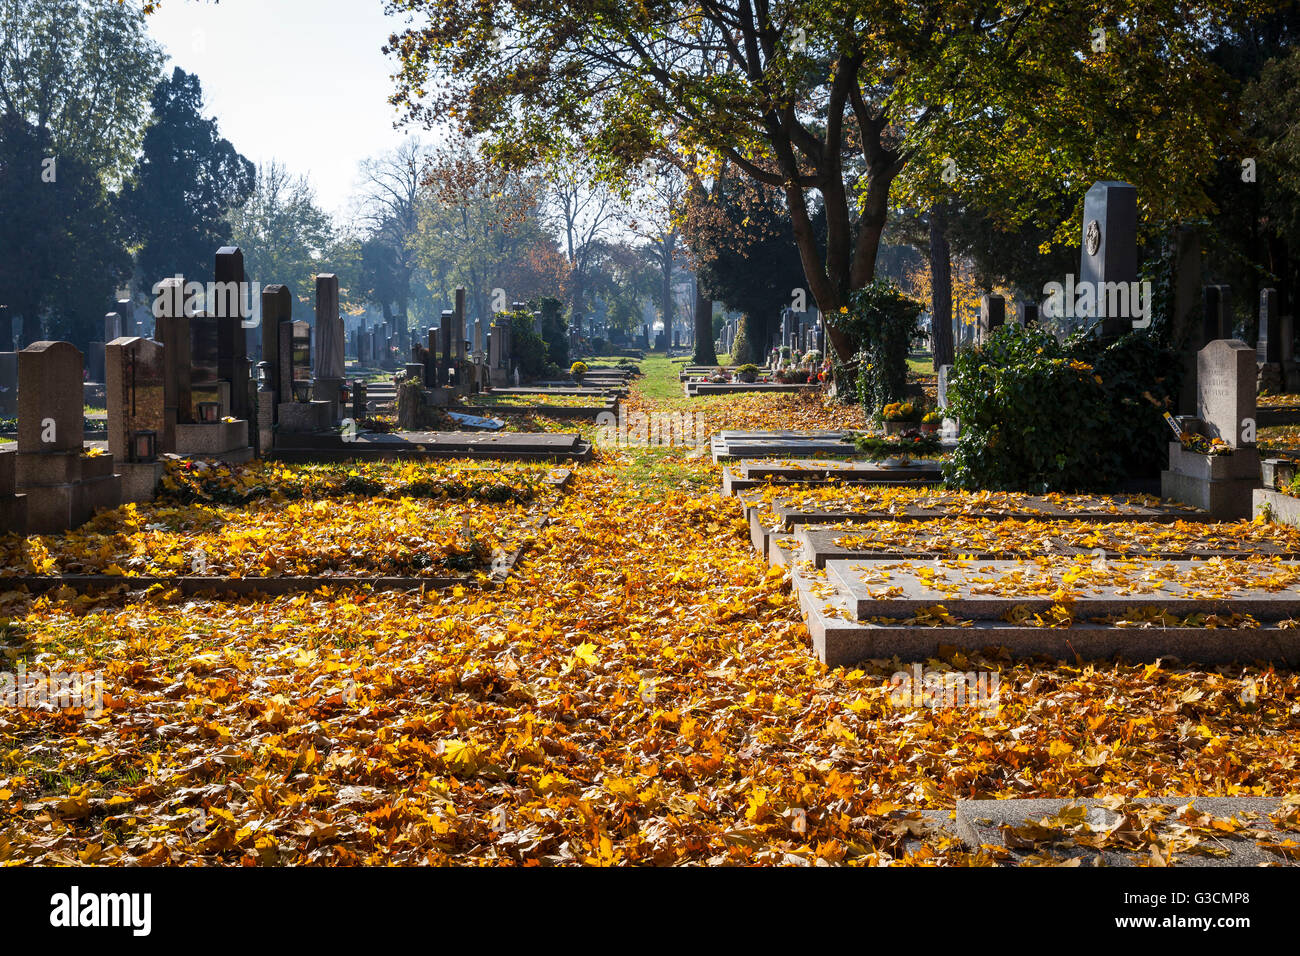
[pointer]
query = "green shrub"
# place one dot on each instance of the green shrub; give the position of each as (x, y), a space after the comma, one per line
(528, 349)
(740, 347)
(1037, 415)
(554, 330)
(882, 323)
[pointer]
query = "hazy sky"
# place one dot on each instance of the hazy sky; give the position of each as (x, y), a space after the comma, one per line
(300, 81)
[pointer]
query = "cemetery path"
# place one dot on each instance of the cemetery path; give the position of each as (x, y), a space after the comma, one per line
(641, 691)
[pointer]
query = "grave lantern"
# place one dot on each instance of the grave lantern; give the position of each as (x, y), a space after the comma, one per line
(144, 445)
(209, 412)
(302, 390)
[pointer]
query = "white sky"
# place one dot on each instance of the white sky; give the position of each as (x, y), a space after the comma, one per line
(299, 81)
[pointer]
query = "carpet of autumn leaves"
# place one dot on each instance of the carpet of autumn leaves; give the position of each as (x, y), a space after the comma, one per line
(639, 692)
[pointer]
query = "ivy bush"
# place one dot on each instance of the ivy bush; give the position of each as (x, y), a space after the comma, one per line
(883, 324)
(1038, 415)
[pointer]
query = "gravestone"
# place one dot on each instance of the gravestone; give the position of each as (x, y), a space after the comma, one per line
(458, 327)
(993, 314)
(112, 327)
(173, 331)
(136, 399)
(299, 354)
(446, 320)
(1225, 375)
(1268, 347)
(95, 363)
(1109, 253)
(277, 343)
(1217, 304)
(1220, 484)
(206, 384)
(432, 358)
(330, 362)
(13, 506)
(8, 384)
(297, 412)
(126, 309)
(64, 487)
(231, 341)
(1028, 313)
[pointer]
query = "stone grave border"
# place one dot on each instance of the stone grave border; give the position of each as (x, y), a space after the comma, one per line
(297, 584)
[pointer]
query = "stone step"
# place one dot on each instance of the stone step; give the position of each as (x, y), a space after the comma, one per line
(839, 640)
(1020, 828)
(975, 589)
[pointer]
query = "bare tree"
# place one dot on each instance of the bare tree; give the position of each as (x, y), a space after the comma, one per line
(583, 211)
(390, 215)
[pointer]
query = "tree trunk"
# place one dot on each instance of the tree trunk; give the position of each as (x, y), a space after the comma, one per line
(666, 296)
(705, 354)
(941, 333)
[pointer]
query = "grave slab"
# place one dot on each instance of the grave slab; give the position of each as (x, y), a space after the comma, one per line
(838, 640)
(986, 823)
(976, 589)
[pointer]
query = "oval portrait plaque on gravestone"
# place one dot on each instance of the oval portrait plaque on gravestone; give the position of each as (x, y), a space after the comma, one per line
(1093, 237)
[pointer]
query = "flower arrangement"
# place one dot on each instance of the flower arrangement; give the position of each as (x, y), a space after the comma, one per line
(901, 412)
(747, 373)
(578, 370)
(812, 357)
(932, 417)
(1202, 445)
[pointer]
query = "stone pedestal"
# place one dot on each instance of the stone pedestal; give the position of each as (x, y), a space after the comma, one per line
(314, 416)
(329, 390)
(13, 506)
(140, 480)
(1219, 484)
(65, 488)
(219, 441)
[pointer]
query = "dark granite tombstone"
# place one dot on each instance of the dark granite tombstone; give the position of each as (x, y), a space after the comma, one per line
(1109, 253)
(172, 324)
(232, 345)
(445, 345)
(8, 384)
(993, 314)
(1269, 346)
(1217, 303)
(277, 341)
(300, 352)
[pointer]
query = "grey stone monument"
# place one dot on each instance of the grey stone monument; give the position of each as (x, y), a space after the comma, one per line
(993, 314)
(1220, 484)
(331, 365)
(63, 486)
